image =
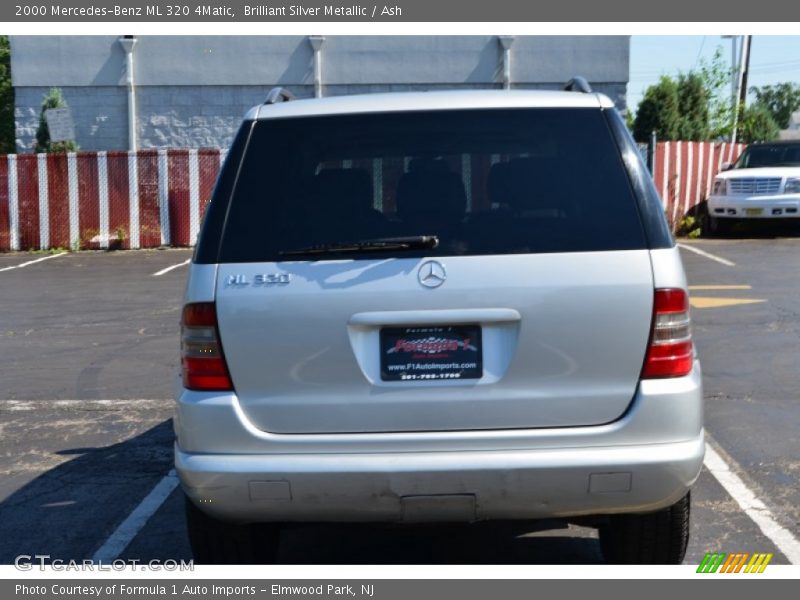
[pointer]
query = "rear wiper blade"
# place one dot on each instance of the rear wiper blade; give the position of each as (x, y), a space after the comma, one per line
(415, 242)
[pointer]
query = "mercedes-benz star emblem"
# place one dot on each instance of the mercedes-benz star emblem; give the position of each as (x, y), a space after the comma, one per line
(431, 274)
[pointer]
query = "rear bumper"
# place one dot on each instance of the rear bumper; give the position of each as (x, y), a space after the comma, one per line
(643, 461)
(441, 486)
(781, 206)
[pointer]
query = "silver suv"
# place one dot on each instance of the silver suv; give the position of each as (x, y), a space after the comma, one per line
(437, 307)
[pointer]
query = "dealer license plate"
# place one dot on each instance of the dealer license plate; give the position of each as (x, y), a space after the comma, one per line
(431, 353)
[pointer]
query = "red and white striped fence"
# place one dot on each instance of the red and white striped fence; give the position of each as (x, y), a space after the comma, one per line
(153, 198)
(685, 172)
(105, 199)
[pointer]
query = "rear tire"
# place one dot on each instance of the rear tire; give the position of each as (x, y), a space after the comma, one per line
(216, 542)
(658, 538)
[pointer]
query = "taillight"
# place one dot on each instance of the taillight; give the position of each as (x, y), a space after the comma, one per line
(203, 364)
(671, 353)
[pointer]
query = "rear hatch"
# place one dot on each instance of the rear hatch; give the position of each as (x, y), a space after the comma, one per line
(434, 271)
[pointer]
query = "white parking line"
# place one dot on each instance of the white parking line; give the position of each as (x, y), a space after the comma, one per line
(86, 405)
(168, 269)
(719, 259)
(31, 262)
(725, 474)
(133, 524)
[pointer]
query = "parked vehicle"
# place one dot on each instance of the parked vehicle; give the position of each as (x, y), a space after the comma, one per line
(437, 307)
(764, 183)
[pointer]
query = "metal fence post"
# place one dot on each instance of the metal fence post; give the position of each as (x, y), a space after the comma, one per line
(651, 153)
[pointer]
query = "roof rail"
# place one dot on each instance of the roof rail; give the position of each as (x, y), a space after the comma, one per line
(278, 94)
(578, 84)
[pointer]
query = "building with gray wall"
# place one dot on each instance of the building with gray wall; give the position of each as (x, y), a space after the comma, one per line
(191, 91)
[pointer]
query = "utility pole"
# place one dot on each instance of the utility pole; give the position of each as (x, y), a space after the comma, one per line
(741, 83)
(734, 69)
(734, 81)
(748, 41)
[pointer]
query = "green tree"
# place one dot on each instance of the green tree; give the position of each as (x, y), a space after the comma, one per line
(693, 101)
(694, 106)
(716, 77)
(757, 125)
(629, 119)
(781, 100)
(7, 128)
(658, 111)
(53, 99)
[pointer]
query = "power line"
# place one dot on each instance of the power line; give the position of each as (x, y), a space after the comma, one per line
(778, 63)
(699, 53)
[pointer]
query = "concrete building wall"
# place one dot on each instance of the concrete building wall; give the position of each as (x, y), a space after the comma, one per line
(100, 115)
(193, 90)
(194, 116)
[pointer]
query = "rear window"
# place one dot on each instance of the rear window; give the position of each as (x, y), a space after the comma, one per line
(483, 181)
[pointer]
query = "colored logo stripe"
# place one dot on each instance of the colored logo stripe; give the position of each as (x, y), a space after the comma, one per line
(758, 563)
(734, 563)
(711, 562)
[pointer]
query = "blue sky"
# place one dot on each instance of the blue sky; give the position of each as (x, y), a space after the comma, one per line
(773, 59)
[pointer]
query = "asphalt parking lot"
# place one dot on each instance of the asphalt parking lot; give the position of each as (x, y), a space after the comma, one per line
(89, 352)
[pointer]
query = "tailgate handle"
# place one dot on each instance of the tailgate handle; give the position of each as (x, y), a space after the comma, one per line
(435, 317)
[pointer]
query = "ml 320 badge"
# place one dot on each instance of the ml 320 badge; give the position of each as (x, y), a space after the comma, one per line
(259, 279)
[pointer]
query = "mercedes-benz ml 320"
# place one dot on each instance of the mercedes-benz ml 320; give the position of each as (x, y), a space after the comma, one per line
(437, 307)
